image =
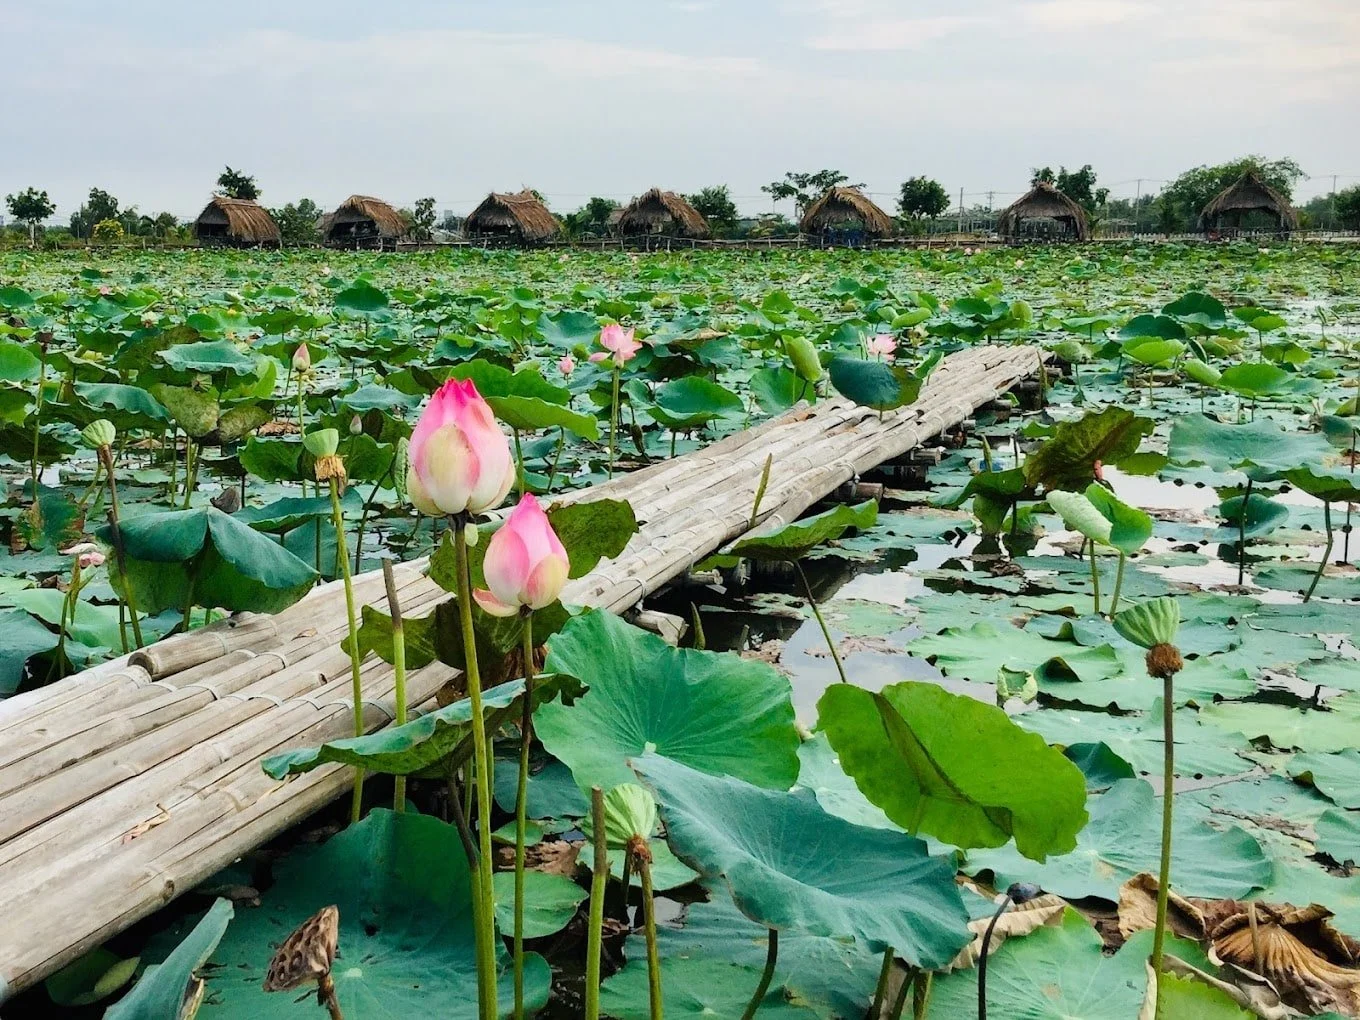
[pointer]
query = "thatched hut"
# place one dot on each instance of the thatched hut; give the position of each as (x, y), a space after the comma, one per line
(1044, 211)
(520, 218)
(236, 222)
(846, 216)
(362, 221)
(662, 212)
(1249, 194)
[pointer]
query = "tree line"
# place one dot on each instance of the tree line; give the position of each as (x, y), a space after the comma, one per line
(921, 202)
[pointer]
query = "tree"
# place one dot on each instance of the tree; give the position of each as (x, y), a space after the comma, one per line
(715, 205)
(1189, 193)
(98, 207)
(422, 219)
(597, 212)
(166, 224)
(1042, 175)
(805, 188)
(922, 198)
(30, 206)
(297, 222)
(108, 231)
(237, 184)
(1347, 203)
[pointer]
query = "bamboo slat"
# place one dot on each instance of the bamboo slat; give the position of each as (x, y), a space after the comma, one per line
(123, 786)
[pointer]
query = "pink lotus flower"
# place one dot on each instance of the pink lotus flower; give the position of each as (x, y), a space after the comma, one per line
(302, 359)
(89, 555)
(618, 343)
(567, 365)
(882, 344)
(526, 564)
(459, 457)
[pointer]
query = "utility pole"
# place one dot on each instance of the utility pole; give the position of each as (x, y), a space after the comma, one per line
(960, 210)
(1334, 176)
(1137, 197)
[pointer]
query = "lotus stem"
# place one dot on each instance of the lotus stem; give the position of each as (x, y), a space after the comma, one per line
(920, 994)
(760, 491)
(190, 469)
(1242, 533)
(598, 879)
(115, 528)
(37, 417)
(766, 976)
(1164, 661)
(900, 1002)
(1118, 583)
(1095, 581)
(1326, 552)
(398, 671)
(557, 457)
(640, 853)
(325, 994)
(881, 989)
(982, 959)
(826, 633)
(613, 421)
(356, 801)
(521, 805)
(519, 464)
(486, 932)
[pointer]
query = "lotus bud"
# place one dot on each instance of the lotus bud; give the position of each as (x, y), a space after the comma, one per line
(804, 357)
(471, 534)
(460, 459)
(99, 434)
(526, 564)
(566, 365)
(356, 426)
(302, 360)
(1153, 625)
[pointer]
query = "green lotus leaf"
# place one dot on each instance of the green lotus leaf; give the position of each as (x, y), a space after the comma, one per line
(1067, 459)
(163, 989)
(211, 356)
(1154, 622)
(795, 540)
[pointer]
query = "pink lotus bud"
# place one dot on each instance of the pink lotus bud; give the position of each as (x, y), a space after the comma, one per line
(882, 344)
(618, 342)
(567, 365)
(459, 457)
(356, 425)
(87, 554)
(526, 564)
(302, 359)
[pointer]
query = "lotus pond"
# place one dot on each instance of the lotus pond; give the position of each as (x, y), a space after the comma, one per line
(896, 730)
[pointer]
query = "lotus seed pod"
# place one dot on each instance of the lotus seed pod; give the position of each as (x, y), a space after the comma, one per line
(1151, 623)
(804, 357)
(322, 442)
(99, 434)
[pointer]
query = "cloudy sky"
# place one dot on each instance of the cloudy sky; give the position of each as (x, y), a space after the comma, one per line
(419, 97)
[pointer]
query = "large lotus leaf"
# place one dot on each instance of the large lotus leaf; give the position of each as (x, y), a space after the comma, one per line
(1262, 516)
(789, 864)
(528, 414)
(422, 743)
(820, 772)
(91, 624)
(694, 989)
(283, 515)
(1197, 307)
(550, 902)
(162, 992)
(1153, 352)
(874, 383)
(239, 420)
(1057, 972)
(1161, 327)
(209, 356)
(776, 389)
(126, 405)
(1067, 459)
(21, 637)
(1335, 775)
(955, 768)
(1263, 444)
(492, 380)
(978, 652)
(272, 460)
(362, 299)
(1081, 515)
(1123, 838)
(372, 397)
(1331, 486)
(714, 711)
(592, 530)
(207, 558)
(567, 329)
(689, 402)
(375, 635)
(1338, 835)
(1261, 379)
(17, 363)
(795, 540)
(15, 297)
(1130, 527)
(195, 411)
(1328, 729)
(403, 890)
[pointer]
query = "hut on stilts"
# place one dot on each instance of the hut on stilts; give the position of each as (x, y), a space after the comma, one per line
(236, 223)
(845, 216)
(1044, 213)
(362, 221)
(664, 214)
(511, 219)
(1248, 195)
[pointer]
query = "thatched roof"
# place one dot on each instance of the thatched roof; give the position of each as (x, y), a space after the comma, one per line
(1249, 194)
(520, 215)
(841, 207)
(1044, 202)
(237, 219)
(356, 212)
(662, 211)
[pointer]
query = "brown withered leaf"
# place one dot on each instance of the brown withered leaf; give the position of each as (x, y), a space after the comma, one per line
(551, 856)
(1020, 919)
(1138, 910)
(306, 955)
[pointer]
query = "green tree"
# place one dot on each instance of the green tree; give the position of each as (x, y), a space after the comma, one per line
(99, 206)
(30, 206)
(166, 224)
(1347, 204)
(298, 222)
(597, 212)
(1189, 193)
(1078, 185)
(715, 205)
(108, 231)
(805, 188)
(237, 184)
(922, 198)
(422, 219)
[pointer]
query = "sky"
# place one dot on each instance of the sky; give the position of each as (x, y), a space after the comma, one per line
(150, 100)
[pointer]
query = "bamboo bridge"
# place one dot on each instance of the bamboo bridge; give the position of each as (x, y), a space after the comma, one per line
(125, 785)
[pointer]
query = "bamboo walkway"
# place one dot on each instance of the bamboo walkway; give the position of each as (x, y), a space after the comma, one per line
(127, 784)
